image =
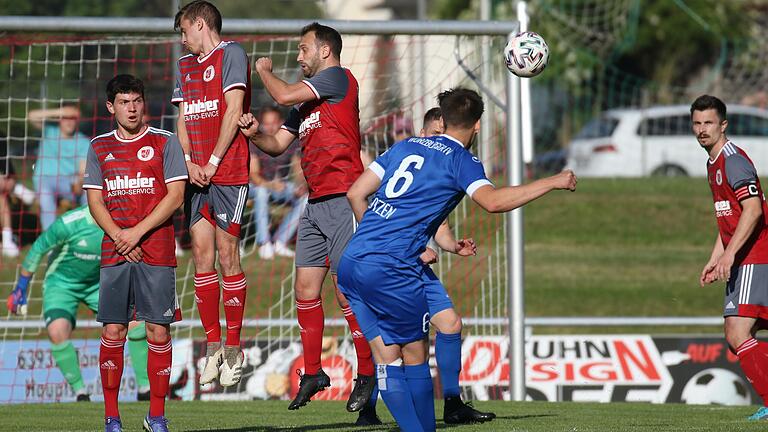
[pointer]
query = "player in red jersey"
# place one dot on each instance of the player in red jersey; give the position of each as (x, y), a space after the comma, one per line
(740, 254)
(212, 90)
(135, 177)
(326, 119)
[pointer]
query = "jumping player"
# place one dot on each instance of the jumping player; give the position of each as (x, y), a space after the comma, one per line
(212, 91)
(326, 119)
(417, 183)
(740, 254)
(135, 179)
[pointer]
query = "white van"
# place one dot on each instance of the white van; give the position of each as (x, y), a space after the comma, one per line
(659, 141)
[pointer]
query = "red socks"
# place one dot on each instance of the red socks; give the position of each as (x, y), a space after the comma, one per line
(753, 358)
(207, 299)
(311, 324)
(159, 371)
(111, 367)
(363, 350)
(234, 306)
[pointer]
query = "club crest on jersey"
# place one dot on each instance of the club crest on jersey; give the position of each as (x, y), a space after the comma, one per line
(719, 178)
(145, 153)
(209, 73)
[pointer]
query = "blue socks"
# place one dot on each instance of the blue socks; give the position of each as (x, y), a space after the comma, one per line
(420, 385)
(448, 356)
(397, 396)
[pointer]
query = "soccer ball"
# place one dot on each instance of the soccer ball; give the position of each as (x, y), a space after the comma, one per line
(526, 54)
(716, 386)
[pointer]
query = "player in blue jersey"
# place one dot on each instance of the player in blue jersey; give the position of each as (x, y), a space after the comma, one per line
(443, 316)
(417, 183)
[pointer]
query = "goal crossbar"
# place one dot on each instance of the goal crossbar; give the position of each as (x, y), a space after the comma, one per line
(255, 26)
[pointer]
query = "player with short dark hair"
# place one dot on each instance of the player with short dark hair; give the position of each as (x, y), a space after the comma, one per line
(740, 254)
(442, 314)
(433, 123)
(417, 183)
(326, 118)
(213, 90)
(135, 177)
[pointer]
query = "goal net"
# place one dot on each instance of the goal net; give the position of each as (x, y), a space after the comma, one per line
(399, 76)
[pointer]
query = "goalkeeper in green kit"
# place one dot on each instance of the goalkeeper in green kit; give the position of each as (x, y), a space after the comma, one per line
(73, 277)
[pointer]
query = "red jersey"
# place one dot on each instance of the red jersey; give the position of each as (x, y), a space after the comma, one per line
(201, 83)
(733, 178)
(329, 132)
(132, 175)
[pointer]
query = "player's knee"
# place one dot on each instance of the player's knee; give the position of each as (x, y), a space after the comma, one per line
(735, 336)
(158, 332)
(447, 322)
(203, 257)
(114, 331)
(59, 330)
(229, 260)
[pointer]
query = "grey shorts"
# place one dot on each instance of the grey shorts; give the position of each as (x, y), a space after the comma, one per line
(746, 293)
(138, 291)
(324, 231)
(221, 205)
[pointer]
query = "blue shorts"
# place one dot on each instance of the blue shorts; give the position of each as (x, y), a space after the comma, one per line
(438, 299)
(388, 300)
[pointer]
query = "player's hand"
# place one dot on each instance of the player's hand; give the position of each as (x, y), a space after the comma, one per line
(17, 301)
(466, 247)
(429, 256)
(135, 255)
(723, 266)
(196, 175)
(565, 180)
(707, 273)
(263, 64)
(209, 170)
(127, 239)
(248, 125)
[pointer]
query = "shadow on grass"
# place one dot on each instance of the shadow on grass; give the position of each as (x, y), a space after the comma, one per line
(307, 428)
(335, 426)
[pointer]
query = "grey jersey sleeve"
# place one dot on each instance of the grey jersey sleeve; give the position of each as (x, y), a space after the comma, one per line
(739, 171)
(234, 67)
(178, 96)
(330, 84)
(174, 167)
(92, 179)
(293, 121)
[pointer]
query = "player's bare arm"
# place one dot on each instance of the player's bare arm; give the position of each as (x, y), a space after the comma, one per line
(447, 241)
(273, 145)
(195, 172)
(511, 197)
(128, 238)
(282, 92)
(300, 183)
(707, 274)
(229, 127)
(361, 189)
(102, 217)
(751, 212)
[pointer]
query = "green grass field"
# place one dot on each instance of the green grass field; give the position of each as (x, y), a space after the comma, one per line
(272, 416)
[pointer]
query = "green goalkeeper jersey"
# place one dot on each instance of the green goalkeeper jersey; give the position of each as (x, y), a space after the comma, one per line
(75, 242)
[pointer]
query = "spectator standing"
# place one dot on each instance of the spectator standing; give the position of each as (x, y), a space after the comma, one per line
(60, 158)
